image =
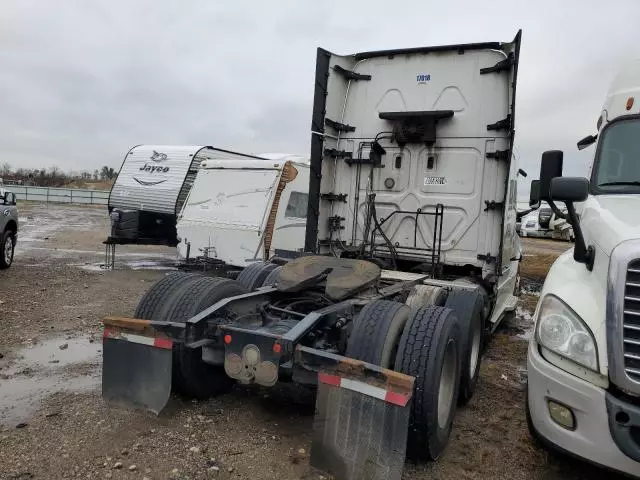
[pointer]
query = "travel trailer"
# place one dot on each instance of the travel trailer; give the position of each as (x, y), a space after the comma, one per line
(240, 212)
(151, 188)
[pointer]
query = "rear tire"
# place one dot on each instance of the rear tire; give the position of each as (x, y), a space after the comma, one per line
(254, 275)
(178, 297)
(273, 277)
(429, 350)
(7, 248)
(422, 295)
(192, 377)
(468, 307)
(150, 305)
(377, 331)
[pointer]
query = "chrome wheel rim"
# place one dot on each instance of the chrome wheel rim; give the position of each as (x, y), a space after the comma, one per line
(474, 352)
(8, 250)
(448, 379)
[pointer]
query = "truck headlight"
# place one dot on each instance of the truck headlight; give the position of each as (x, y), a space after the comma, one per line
(563, 332)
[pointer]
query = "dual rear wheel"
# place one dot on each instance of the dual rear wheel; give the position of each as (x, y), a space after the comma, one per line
(180, 296)
(176, 298)
(438, 345)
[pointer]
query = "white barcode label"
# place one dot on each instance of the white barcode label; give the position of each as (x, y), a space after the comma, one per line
(435, 180)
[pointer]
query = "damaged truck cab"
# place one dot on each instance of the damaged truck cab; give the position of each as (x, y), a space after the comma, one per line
(410, 261)
(584, 359)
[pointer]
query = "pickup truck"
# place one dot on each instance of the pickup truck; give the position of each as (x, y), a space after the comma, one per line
(8, 227)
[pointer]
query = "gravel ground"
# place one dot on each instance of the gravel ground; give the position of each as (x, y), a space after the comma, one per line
(54, 423)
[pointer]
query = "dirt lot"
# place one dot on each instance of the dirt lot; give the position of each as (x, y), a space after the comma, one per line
(54, 423)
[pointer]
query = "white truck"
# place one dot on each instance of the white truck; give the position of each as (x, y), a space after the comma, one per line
(410, 261)
(242, 211)
(583, 393)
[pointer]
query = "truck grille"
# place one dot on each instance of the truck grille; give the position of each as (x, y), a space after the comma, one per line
(631, 321)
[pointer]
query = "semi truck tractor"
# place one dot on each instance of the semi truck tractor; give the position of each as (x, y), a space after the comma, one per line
(584, 359)
(410, 261)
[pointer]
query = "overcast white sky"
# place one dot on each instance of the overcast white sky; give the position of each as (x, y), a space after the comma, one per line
(81, 81)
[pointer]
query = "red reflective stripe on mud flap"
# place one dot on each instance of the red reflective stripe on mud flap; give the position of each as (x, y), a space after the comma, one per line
(396, 398)
(329, 379)
(163, 343)
(361, 387)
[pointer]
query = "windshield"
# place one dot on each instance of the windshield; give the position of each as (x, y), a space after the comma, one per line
(617, 165)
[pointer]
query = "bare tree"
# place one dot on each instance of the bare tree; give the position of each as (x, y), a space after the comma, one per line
(107, 173)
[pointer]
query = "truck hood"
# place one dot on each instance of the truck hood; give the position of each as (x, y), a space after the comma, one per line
(608, 220)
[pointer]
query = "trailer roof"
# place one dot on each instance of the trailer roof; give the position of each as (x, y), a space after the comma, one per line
(249, 164)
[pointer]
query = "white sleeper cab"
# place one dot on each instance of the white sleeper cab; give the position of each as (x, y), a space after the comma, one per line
(584, 359)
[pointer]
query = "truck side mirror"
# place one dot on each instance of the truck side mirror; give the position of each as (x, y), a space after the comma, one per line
(550, 167)
(534, 193)
(586, 141)
(569, 189)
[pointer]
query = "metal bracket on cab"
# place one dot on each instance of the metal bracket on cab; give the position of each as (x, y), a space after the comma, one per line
(350, 75)
(498, 154)
(504, 124)
(334, 197)
(501, 66)
(335, 223)
(334, 153)
(487, 258)
(341, 127)
(493, 205)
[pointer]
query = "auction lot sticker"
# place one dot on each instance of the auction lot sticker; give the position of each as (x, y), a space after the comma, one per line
(435, 181)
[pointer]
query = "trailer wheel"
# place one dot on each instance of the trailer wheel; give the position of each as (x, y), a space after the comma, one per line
(272, 278)
(468, 307)
(377, 331)
(191, 376)
(253, 275)
(429, 350)
(150, 305)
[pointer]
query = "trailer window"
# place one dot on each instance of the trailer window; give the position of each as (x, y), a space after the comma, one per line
(297, 206)
(617, 168)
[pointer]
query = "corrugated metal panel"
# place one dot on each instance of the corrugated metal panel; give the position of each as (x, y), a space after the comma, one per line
(152, 178)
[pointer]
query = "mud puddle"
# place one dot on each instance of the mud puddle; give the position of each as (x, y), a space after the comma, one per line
(43, 222)
(523, 322)
(162, 265)
(531, 286)
(42, 369)
(151, 265)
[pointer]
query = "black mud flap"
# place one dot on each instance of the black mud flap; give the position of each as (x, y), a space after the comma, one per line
(362, 417)
(136, 365)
